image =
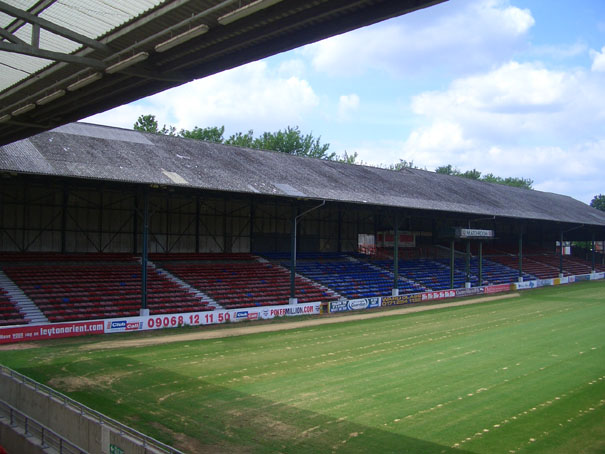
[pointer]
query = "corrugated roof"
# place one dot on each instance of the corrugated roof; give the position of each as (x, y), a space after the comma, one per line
(91, 18)
(99, 152)
(95, 69)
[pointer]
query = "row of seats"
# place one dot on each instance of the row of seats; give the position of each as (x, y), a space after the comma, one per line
(354, 279)
(68, 291)
(246, 284)
(9, 312)
(90, 286)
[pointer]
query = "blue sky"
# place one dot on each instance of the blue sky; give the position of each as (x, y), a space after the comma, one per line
(511, 87)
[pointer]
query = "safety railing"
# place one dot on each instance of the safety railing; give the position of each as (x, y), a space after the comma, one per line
(32, 428)
(144, 440)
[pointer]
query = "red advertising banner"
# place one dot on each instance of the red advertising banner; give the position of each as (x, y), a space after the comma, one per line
(498, 288)
(55, 331)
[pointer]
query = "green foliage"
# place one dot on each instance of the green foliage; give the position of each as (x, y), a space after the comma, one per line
(525, 183)
(598, 202)
(210, 134)
(290, 140)
(472, 174)
(148, 123)
(447, 170)
(402, 164)
(348, 158)
(240, 139)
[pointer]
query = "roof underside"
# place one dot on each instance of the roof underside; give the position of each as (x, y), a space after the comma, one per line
(58, 59)
(88, 151)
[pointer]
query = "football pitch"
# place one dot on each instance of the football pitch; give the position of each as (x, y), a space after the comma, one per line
(518, 375)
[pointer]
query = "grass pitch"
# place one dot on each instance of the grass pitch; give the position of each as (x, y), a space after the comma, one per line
(523, 375)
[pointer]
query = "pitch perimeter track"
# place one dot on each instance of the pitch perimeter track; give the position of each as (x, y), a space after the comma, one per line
(273, 327)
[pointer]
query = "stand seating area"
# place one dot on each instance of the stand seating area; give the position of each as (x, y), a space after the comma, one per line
(353, 279)
(243, 281)
(89, 287)
(530, 265)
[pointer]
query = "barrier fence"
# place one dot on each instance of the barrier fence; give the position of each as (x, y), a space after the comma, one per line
(32, 428)
(118, 427)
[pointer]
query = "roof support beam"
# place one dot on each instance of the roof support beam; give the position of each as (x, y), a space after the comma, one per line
(26, 49)
(10, 37)
(54, 28)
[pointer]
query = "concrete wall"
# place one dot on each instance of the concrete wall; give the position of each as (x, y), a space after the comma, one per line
(86, 432)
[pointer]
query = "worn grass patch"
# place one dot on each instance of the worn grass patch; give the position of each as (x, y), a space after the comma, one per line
(519, 375)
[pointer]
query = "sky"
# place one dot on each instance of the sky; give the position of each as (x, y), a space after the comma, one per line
(510, 87)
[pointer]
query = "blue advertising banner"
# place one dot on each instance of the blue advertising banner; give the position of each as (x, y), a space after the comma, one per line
(355, 305)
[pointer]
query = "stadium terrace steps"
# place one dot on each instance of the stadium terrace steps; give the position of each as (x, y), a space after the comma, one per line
(198, 293)
(25, 311)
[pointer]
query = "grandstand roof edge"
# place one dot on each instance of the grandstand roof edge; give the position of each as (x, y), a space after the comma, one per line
(94, 152)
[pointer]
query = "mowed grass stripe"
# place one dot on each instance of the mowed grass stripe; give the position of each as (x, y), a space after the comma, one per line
(519, 375)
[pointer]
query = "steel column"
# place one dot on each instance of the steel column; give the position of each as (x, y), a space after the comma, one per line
(293, 256)
(467, 264)
(480, 262)
(521, 257)
(396, 257)
(452, 261)
(594, 252)
(145, 250)
(561, 255)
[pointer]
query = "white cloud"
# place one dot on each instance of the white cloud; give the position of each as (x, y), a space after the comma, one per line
(347, 104)
(517, 101)
(459, 36)
(519, 120)
(249, 97)
(558, 51)
(598, 60)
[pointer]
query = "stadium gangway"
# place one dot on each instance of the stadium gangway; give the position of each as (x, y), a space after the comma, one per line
(145, 440)
(32, 428)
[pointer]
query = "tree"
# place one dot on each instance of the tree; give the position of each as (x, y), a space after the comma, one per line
(148, 123)
(402, 164)
(598, 202)
(525, 183)
(471, 174)
(210, 134)
(348, 158)
(447, 170)
(240, 139)
(292, 141)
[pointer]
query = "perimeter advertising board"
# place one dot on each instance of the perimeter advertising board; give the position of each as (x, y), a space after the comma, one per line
(54, 331)
(354, 305)
(498, 288)
(440, 295)
(401, 299)
(461, 292)
(209, 317)
(151, 322)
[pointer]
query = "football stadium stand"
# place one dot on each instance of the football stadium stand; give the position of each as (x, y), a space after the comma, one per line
(92, 286)
(240, 280)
